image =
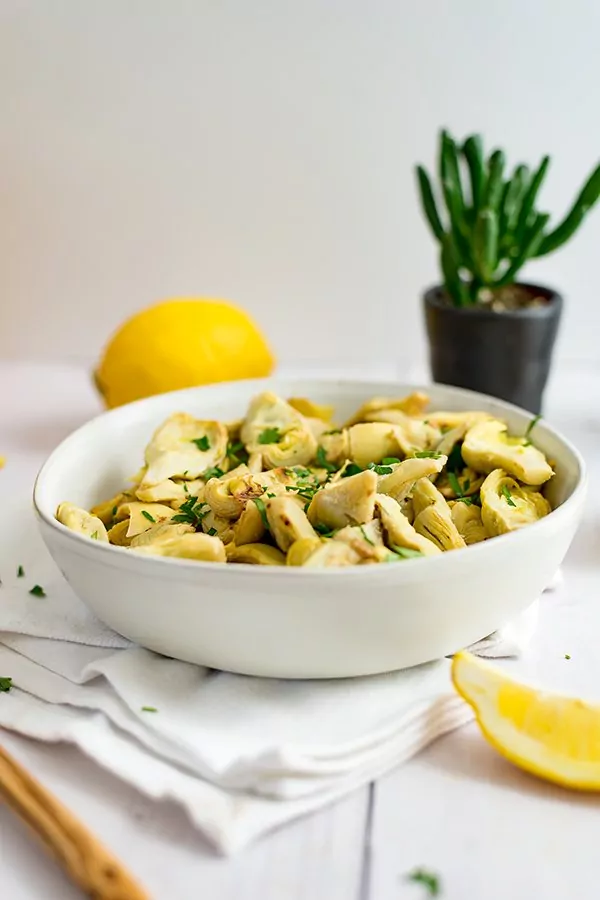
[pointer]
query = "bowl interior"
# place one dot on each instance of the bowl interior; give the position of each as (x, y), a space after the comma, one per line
(97, 460)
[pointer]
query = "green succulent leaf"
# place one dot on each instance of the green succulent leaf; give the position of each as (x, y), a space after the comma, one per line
(428, 203)
(588, 197)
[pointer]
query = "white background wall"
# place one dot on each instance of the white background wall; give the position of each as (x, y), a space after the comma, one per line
(262, 150)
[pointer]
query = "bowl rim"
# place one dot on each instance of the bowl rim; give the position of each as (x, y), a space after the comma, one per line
(117, 556)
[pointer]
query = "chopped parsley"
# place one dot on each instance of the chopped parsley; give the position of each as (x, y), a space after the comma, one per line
(380, 470)
(5, 685)
(324, 530)
(429, 880)
(427, 454)
(94, 536)
(270, 436)
(567, 656)
(192, 512)
(390, 460)
(507, 495)
(366, 536)
(530, 428)
(185, 488)
(351, 469)
(405, 552)
(146, 515)
(149, 709)
(323, 461)
(260, 505)
(298, 471)
(236, 453)
(114, 511)
(37, 591)
(202, 443)
(269, 494)
(213, 472)
(459, 489)
(20, 572)
(212, 531)
(333, 431)
(455, 459)
(305, 490)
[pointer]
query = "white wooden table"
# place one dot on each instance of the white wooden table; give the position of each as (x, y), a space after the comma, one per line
(489, 831)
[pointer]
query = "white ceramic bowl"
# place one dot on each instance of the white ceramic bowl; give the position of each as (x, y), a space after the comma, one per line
(291, 622)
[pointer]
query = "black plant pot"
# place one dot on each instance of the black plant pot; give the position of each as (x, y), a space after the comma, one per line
(506, 354)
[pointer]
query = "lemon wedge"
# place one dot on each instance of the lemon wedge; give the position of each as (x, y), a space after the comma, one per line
(552, 736)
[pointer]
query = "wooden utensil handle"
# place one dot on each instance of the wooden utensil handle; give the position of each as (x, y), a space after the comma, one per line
(82, 857)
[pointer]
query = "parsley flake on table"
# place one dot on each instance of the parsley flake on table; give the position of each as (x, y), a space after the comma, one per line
(567, 656)
(20, 572)
(507, 495)
(149, 709)
(5, 685)
(38, 591)
(202, 443)
(270, 436)
(429, 880)
(148, 516)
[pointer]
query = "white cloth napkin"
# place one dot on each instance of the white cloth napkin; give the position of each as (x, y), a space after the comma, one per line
(242, 755)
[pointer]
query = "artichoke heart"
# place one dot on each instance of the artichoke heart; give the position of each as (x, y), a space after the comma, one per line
(108, 509)
(371, 442)
(169, 491)
(399, 483)
(143, 516)
(365, 540)
(425, 494)
(487, 446)
(287, 522)
(255, 555)
(249, 528)
(467, 518)
(278, 431)
(350, 501)
(81, 521)
(436, 524)
(332, 553)
(506, 505)
(159, 534)
(227, 498)
(312, 410)
(412, 405)
(301, 550)
(411, 434)
(336, 446)
(397, 530)
(200, 547)
(184, 447)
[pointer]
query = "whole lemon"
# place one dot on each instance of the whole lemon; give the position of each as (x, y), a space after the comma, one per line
(180, 343)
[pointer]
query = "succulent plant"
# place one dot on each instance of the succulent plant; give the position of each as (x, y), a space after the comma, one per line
(493, 225)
